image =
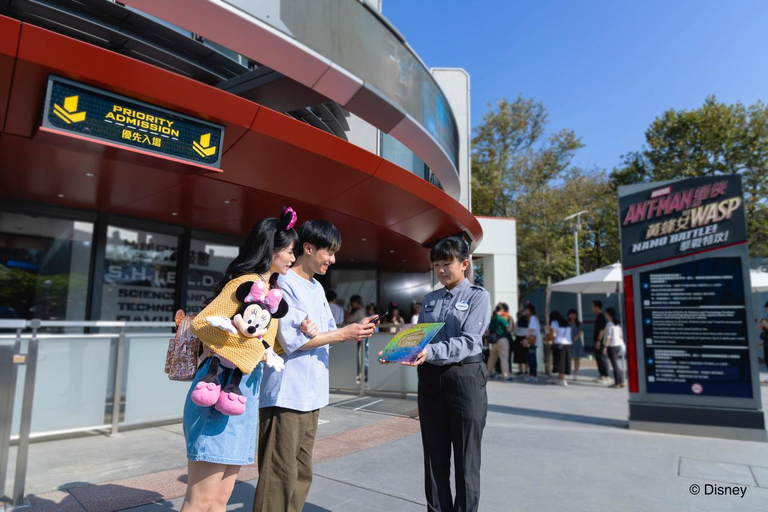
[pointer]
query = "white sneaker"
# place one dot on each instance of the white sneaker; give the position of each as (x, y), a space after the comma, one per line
(562, 383)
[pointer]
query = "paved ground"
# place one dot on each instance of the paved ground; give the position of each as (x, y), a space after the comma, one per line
(545, 448)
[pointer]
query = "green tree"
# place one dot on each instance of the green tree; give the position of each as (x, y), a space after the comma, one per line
(599, 236)
(712, 140)
(518, 171)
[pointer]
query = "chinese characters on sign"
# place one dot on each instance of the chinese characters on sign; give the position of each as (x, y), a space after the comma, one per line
(677, 219)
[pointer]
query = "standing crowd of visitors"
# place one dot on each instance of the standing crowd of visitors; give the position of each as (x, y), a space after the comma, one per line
(517, 342)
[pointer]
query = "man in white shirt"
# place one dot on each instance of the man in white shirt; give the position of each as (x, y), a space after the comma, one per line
(290, 400)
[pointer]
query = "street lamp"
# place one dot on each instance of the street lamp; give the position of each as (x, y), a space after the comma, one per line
(576, 227)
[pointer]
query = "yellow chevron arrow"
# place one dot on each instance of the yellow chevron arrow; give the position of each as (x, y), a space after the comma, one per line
(69, 113)
(201, 148)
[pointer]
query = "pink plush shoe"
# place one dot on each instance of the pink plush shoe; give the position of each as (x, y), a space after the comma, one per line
(206, 394)
(231, 404)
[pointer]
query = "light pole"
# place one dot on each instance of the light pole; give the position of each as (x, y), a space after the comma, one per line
(576, 227)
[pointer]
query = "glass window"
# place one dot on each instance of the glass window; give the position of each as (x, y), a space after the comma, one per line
(396, 152)
(139, 281)
(207, 263)
(44, 264)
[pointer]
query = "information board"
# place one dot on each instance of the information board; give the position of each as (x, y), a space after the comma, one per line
(694, 324)
(91, 113)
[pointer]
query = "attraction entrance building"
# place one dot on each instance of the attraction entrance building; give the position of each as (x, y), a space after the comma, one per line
(137, 148)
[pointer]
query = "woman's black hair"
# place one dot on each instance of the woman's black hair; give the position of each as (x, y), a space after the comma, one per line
(766, 305)
(319, 233)
(529, 307)
(555, 316)
(614, 316)
(574, 312)
(267, 237)
(449, 248)
(522, 319)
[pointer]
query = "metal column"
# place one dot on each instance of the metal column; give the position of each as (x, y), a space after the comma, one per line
(9, 358)
(25, 427)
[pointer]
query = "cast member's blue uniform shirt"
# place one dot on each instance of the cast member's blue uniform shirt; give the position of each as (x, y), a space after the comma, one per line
(466, 311)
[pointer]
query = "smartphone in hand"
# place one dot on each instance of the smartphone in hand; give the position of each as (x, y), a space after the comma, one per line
(379, 318)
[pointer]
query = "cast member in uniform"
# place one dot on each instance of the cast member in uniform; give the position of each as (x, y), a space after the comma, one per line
(452, 401)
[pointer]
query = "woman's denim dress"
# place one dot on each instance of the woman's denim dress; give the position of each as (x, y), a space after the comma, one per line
(215, 437)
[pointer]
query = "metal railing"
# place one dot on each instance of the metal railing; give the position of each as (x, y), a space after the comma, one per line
(13, 356)
(54, 360)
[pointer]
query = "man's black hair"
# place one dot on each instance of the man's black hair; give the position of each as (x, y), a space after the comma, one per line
(321, 234)
(355, 298)
(598, 304)
(449, 248)
(330, 296)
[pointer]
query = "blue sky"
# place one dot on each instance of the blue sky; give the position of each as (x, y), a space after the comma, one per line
(605, 69)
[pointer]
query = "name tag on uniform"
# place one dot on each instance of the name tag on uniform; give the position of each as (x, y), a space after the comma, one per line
(462, 306)
(428, 308)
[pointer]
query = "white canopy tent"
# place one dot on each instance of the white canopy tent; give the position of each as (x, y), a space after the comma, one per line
(602, 280)
(759, 281)
(608, 280)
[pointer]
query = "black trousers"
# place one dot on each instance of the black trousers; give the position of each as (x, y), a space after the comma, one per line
(453, 405)
(602, 362)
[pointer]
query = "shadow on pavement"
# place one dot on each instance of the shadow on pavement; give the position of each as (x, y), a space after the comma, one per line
(309, 507)
(80, 496)
(561, 416)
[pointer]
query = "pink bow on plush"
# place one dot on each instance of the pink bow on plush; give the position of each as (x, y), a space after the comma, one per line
(259, 293)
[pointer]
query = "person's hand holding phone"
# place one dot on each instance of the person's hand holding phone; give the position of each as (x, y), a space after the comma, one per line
(360, 331)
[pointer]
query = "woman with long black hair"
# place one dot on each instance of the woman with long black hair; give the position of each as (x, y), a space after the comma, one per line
(562, 345)
(577, 336)
(218, 443)
(613, 345)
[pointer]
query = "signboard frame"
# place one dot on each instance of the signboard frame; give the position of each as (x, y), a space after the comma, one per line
(49, 127)
(696, 414)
